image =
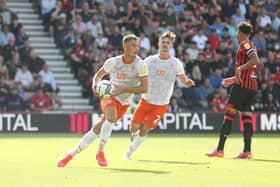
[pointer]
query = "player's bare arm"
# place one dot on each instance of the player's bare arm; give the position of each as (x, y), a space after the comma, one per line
(142, 88)
(254, 60)
(186, 81)
(97, 77)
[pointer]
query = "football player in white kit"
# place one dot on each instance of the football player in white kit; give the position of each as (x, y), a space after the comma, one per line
(128, 73)
(163, 70)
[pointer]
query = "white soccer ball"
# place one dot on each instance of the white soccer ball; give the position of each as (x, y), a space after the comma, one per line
(104, 88)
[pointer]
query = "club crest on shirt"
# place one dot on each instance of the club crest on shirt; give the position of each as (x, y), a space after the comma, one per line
(247, 46)
(144, 69)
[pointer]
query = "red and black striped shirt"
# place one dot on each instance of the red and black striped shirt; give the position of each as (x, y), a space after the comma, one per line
(248, 76)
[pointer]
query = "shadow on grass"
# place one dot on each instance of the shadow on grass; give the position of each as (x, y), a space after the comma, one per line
(174, 162)
(266, 160)
(124, 170)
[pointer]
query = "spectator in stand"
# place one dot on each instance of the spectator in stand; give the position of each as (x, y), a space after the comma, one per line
(226, 38)
(86, 12)
(21, 37)
(60, 29)
(79, 25)
(5, 35)
(25, 51)
(15, 25)
(200, 39)
(238, 17)
(260, 42)
(46, 7)
(35, 63)
(4, 93)
(48, 79)
(69, 41)
(192, 51)
(204, 92)
(14, 101)
(101, 40)
(24, 76)
(214, 39)
(209, 54)
(216, 78)
(10, 50)
(276, 21)
(196, 75)
(55, 102)
(218, 26)
(144, 42)
(40, 102)
(173, 106)
(228, 8)
(94, 26)
(116, 39)
(263, 19)
(5, 13)
(3, 68)
(259, 104)
(220, 100)
(78, 56)
(271, 106)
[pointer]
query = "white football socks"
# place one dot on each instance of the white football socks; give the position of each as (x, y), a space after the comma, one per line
(84, 143)
(137, 141)
(105, 134)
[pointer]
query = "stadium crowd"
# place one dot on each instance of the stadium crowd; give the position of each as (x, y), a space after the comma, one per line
(90, 31)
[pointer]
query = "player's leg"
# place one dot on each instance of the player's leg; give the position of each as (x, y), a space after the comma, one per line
(105, 133)
(113, 111)
(151, 122)
(246, 117)
(87, 139)
(234, 103)
(139, 116)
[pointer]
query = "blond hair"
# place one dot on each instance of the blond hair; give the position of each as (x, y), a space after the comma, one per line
(129, 37)
(169, 35)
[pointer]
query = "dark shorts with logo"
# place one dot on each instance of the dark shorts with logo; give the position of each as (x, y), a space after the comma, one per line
(241, 99)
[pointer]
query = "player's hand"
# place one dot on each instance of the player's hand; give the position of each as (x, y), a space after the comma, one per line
(189, 83)
(117, 90)
(238, 75)
(228, 81)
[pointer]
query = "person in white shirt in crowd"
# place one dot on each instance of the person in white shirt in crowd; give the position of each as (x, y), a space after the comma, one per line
(24, 76)
(200, 39)
(5, 13)
(5, 35)
(94, 26)
(47, 6)
(263, 19)
(144, 42)
(48, 78)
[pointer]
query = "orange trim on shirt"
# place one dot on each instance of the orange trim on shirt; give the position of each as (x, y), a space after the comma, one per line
(126, 62)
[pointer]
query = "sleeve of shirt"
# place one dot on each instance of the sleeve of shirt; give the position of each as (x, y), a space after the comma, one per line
(142, 69)
(180, 68)
(108, 65)
(247, 47)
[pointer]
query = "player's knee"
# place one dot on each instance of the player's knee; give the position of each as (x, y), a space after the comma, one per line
(112, 119)
(134, 128)
(144, 130)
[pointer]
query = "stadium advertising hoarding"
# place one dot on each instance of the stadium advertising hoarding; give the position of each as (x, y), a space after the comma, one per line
(192, 122)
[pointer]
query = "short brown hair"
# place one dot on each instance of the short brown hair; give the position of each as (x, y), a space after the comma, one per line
(245, 27)
(129, 37)
(169, 35)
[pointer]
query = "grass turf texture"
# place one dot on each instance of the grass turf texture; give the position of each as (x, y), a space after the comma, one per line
(163, 160)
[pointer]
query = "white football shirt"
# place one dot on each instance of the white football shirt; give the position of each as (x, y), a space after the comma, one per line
(124, 74)
(161, 79)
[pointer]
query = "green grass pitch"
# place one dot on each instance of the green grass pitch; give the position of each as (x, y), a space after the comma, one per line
(29, 160)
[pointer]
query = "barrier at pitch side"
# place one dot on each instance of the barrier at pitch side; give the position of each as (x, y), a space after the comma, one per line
(191, 122)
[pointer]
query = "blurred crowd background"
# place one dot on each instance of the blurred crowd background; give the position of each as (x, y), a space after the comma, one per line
(89, 31)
